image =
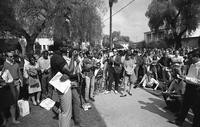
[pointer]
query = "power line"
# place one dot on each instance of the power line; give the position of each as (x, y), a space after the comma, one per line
(120, 9)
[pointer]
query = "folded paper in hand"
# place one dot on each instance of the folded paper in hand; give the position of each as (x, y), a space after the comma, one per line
(47, 103)
(63, 87)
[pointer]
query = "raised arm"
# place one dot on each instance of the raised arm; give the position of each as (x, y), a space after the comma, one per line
(68, 69)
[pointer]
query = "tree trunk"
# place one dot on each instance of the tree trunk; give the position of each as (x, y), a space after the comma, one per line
(30, 44)
(178, 43)
(178, 38)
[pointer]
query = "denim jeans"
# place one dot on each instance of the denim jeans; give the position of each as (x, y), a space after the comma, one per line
(89, 88)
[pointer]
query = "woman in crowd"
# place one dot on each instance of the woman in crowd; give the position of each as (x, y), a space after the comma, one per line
(31, 74)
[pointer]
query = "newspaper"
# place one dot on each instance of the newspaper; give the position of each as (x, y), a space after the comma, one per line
(63, 87)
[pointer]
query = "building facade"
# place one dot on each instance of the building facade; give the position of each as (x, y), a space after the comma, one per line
(154, 36)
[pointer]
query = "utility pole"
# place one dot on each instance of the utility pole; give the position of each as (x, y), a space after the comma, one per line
(110, 38)
(111, 5)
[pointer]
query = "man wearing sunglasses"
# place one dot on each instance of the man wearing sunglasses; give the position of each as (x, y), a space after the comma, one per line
(15, 72)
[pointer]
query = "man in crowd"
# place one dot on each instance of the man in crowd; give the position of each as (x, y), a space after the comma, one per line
(129, 74)
(177, 62)
(15, 72)
(58, 64)
(114, 70)
(192, 93)
(165, 63)
(139, 64)
(44, 65)
(88, 70)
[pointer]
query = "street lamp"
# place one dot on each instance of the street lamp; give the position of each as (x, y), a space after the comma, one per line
(110, 5)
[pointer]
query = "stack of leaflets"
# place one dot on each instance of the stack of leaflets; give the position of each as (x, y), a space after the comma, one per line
(47, 103)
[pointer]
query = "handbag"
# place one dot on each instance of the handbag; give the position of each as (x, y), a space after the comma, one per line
(24, 108)
(34, 82)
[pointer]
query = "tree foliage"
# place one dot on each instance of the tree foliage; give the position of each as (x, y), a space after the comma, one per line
(33, 18)
(86, 23)
(117, 39)
(176, 17)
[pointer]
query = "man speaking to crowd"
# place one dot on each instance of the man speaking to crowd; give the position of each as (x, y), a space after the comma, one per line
(59, 64)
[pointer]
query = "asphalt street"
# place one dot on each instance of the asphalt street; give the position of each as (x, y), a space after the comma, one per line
(142, 109)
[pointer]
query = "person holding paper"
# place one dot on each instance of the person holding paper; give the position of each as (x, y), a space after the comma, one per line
(191, 98)
(6, 97)
(14, 70)
(31, 74)
(59, 64)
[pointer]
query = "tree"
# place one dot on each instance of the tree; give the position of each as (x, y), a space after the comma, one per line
(32, 18)
(175, 17)
(86, 23)
(28, 18)
(117, 39)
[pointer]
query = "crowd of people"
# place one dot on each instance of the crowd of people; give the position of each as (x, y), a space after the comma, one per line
(174, 72)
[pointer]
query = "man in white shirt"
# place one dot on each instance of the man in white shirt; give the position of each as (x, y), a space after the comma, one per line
(177, 62)
(44, 65)
(191, 97)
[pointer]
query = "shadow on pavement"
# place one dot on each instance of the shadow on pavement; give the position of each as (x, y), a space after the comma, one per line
(40, 117)
(155, 106)
(89, 118)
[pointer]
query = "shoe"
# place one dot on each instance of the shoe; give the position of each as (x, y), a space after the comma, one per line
(135, 86)
(123, 95)
(85, 107)
(34, 103)
(116, 92)
(92, 99)
(129, 93)
(38, 102)
(88, 105)
(107, 92)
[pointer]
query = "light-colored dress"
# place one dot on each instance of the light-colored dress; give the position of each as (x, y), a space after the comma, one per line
(33, 78)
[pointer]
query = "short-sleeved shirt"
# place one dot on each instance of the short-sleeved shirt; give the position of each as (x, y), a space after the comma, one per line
(177, 61)
(57, 63)
(44, 63)
(129, 66)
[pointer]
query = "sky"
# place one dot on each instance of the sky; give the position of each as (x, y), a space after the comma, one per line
(131, 21)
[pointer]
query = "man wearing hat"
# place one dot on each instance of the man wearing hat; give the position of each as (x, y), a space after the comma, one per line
(191, 98)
